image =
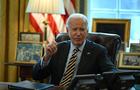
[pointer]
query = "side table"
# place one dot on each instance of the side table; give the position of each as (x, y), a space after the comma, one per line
(24, 69)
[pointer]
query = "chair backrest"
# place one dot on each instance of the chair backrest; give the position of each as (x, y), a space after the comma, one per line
(111, 41)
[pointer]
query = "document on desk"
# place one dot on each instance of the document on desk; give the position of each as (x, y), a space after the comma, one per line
(29, 85)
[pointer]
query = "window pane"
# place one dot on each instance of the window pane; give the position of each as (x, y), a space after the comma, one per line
(103, 15)
(128, 15)
(100, 15)
(135, 30)
(135, 20)
(96, 4)
(130, 4)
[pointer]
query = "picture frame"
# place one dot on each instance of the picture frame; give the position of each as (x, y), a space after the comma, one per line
(134, 47)
(113, 26)
(30, 37)
(123, 47)
(27, 51)
(129, 60)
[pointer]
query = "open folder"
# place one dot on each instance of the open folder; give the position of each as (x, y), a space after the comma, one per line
(28, 85)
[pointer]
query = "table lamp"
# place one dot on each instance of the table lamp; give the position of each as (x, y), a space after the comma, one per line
(45, 7)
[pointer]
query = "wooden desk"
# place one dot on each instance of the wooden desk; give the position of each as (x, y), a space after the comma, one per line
(24, 69)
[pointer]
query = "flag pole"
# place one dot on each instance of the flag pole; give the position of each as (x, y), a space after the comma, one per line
(45, 22)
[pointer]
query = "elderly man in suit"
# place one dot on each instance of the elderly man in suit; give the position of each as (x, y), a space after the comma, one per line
(91, 58)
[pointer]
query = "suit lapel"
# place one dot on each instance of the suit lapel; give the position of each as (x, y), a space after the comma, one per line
(85, 59)
(64, 57)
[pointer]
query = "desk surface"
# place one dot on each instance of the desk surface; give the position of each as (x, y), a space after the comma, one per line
(4, 86)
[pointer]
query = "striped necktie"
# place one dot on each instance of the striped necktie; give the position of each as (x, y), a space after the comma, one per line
(67, 77)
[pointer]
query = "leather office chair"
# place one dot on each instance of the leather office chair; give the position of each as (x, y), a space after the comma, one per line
(111, 41)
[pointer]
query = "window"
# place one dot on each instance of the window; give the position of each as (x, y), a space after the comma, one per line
(123, 9)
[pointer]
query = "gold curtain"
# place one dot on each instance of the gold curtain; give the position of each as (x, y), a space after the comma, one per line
(2, 37)
(13, 20)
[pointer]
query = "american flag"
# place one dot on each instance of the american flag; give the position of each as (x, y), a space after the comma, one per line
(56, 23)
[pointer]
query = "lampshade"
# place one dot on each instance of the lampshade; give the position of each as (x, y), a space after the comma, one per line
(46, 6)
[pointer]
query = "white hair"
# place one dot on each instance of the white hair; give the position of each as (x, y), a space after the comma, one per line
(77, 15)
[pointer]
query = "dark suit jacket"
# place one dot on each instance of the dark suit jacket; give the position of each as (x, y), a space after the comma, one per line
(94, 60)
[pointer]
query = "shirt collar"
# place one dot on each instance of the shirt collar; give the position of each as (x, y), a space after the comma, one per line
(80, 47)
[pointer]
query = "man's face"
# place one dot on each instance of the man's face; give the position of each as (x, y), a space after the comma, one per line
(77, 31)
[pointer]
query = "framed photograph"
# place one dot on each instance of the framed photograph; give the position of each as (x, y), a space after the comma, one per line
(134, 47)
(113, 26)
(28, 51)
(129, 60)
(30, 36)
